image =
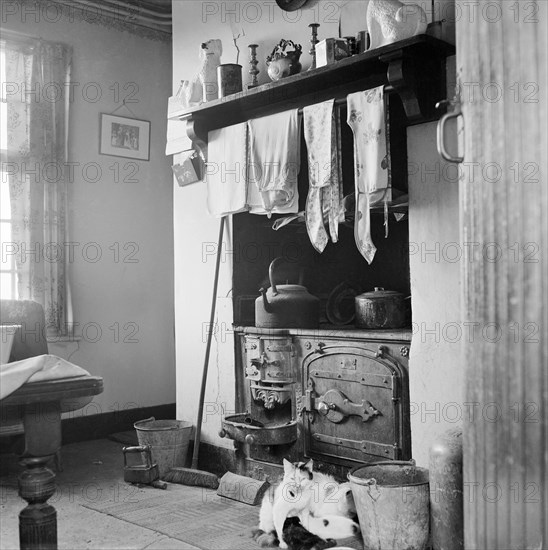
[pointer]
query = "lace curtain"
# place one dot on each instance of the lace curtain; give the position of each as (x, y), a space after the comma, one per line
(37, 74)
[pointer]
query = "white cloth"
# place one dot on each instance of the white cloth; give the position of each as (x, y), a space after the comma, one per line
(366, 117)
(274, 163)
(36, 369)
(324, 173)
(226, 172)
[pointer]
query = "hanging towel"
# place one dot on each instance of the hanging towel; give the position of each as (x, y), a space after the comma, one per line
(366, 117)
(226, 172)
(274, 162)
(324, 173)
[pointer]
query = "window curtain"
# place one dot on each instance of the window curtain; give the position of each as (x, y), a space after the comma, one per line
(38, 78)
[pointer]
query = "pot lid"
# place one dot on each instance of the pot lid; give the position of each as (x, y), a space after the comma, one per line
(379, 292)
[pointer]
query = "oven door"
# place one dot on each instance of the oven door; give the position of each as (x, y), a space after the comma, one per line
(352, 405)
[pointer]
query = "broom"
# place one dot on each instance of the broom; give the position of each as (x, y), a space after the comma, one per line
(193, 476)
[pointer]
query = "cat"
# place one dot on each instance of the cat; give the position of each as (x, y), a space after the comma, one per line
(299, 538)
(318, 534)
(389, 21)
(322, 505)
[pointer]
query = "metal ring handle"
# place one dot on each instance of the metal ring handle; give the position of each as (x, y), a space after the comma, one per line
(442, 150)
(275, 263)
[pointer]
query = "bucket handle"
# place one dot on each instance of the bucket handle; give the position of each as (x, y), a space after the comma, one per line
(151, 419)
(372, 489)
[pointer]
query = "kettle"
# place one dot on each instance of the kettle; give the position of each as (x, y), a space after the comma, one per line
(286, 306)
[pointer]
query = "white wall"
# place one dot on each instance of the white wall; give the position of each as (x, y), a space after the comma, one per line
(123, 301)
(435, 368)
(193, 23)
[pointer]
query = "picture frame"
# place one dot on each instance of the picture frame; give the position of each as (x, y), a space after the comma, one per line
(124, 137)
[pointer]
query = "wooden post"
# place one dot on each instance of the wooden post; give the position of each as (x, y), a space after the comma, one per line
(502, 59)
(38, 520)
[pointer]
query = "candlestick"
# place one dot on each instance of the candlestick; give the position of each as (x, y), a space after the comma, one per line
(314, 40)
(253, 71)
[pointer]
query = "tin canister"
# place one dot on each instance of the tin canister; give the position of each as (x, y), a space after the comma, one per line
(229, 76)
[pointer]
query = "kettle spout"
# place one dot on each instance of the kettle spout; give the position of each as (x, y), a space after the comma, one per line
(267, 306)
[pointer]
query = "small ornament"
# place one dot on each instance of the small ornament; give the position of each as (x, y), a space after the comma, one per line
(253, 71)
(314, 40)
(284, 60)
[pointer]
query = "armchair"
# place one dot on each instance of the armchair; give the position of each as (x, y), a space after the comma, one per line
(28, 341)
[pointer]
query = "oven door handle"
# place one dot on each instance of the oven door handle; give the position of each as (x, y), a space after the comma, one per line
(335, 406)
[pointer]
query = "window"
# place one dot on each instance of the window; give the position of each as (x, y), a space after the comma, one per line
(33, 136)
(8, 282)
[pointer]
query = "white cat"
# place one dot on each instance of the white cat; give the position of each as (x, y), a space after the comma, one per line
(322, 504)
(389, 21)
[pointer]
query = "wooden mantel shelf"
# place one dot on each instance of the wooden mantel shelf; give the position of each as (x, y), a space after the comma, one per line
(413, 68)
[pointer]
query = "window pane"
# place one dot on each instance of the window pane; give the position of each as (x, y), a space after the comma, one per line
(3, 104)
(5, 208)
(7, 289)
(7, 259)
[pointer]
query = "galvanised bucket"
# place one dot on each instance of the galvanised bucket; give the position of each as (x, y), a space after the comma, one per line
(392, 500)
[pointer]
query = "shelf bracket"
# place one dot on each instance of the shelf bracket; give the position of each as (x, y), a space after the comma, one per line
(198, 137)
(420, 82)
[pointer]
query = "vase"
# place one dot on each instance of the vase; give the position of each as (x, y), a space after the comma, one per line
(283, 66)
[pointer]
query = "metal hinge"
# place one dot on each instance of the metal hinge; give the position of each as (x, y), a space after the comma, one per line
(367, 447)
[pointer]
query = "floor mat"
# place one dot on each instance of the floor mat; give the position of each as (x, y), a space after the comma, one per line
(195, 515)
(192, 514)
(127, 438)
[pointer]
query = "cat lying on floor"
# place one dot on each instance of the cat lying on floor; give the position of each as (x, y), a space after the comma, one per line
(299, 538)
(322, 505)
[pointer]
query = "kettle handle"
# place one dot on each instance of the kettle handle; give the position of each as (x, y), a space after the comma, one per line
(273, 264)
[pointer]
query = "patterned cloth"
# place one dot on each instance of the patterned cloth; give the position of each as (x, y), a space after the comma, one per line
(366, 117)
(37, 143)
(226, 173)
(274, 162)
(324, 173)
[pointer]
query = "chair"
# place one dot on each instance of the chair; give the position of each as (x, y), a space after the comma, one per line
(29, 341)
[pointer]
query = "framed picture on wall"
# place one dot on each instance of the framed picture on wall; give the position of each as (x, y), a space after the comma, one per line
(124, 137)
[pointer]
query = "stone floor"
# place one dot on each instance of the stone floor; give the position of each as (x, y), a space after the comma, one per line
(97, 509)
(92, 471)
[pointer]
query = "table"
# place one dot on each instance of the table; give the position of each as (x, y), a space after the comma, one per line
(40, 405)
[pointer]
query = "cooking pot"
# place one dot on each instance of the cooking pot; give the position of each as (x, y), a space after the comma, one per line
(380, 309)
(286, 306)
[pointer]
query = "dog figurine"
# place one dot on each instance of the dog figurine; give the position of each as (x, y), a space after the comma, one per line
(204, 86)
(389, 21)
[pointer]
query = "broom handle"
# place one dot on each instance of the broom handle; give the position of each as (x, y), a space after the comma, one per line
(208, 349)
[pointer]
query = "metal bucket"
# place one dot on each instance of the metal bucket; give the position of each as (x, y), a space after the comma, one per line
(168, 440)
(392, 501)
